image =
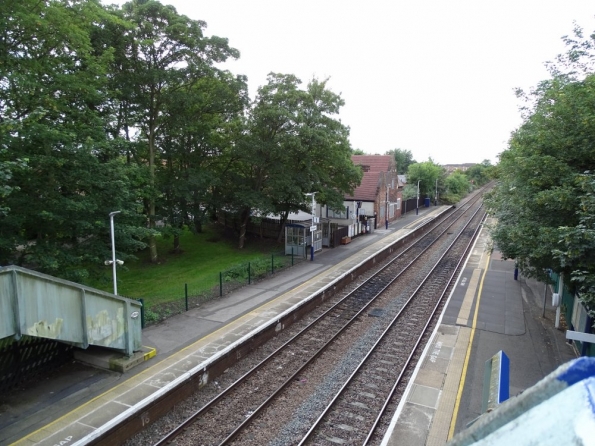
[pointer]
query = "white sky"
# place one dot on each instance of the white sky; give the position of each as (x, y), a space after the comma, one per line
(435, 77)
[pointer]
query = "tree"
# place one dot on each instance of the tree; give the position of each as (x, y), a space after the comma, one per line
(163, 53)
(404, 159)
(545, 174)
(457, 186)
(577, 244)
(480, 174)
(292, 145)
(196, 139)
(6, 169)
(53, 108)
(427, 173)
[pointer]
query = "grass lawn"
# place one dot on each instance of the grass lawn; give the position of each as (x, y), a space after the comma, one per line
(202, 258)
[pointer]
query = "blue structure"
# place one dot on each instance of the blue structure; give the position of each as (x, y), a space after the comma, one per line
(558, 410)
(496, 385)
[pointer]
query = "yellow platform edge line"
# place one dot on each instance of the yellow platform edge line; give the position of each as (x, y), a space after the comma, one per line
(455, 414)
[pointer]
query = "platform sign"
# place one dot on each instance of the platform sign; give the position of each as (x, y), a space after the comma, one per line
(496, 383)
(579, 336)
(313, 228)
(316, 220)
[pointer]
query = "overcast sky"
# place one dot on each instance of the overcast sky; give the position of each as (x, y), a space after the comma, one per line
(434, 77)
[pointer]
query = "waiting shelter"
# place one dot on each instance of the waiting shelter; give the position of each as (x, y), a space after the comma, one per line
(298, 238)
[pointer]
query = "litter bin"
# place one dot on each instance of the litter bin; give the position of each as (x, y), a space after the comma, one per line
(427, 202)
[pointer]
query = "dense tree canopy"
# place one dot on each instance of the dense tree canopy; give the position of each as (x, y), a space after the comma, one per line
(53, 112)
(457, 185)
(543, 200)
(106, 108)
(403, 158)
(293, 145)
(428, 174)
(480, 174)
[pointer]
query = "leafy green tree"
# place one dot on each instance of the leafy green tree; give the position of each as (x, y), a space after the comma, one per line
(457, 186)
(404, 159)
(292, 145)
(6, 169)
(196, 140)
(427, 173)
(162, 54)
(577, 244)
(542, 200)
(480, 174)
(52, 114)
(329, 170)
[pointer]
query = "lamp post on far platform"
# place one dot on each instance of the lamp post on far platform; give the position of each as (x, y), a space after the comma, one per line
(417, 202)
(313, 227)
(386, 223)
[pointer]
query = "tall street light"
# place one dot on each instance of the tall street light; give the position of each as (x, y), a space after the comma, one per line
(386, 222)
(436, 195)
(313, 227)
(417, 203)
(113, 262)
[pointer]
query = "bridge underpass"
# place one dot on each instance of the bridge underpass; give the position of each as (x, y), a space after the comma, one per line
(39, 312)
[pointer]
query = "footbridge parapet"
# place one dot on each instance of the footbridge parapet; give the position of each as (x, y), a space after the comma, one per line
(36, 304)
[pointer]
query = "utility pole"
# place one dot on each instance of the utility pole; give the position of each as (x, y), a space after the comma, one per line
(417, 202)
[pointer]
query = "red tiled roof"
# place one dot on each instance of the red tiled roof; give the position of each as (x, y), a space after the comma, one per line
(374, 166)
(368, 189)
(376, 163)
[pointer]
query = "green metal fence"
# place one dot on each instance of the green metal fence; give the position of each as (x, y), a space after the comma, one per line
(567, 306)
(238, 276)
(566, 299)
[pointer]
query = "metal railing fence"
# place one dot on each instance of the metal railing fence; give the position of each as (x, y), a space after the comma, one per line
(158, 308)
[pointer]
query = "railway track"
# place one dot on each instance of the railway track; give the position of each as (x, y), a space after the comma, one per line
(315, 387)
(360, 406)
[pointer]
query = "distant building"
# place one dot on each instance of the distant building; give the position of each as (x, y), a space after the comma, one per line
(378, 196)
(450, 168)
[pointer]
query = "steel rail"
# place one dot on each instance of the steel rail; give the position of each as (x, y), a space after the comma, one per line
(419, 340)
(193, 417)
(317, 423)
(266, 403)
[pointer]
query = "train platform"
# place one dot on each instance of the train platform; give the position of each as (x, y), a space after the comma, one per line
(488, 311)
(78, 404)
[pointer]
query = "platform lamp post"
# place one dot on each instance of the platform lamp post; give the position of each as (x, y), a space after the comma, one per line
(436, 196)
(313, 227)
(113, 261)
(417, 202)
(386, 222)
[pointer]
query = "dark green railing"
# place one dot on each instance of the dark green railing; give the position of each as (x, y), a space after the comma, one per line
(229, 280)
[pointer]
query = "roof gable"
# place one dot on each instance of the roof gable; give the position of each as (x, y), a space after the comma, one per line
(368, 188)
(374, 167)
(374, 163)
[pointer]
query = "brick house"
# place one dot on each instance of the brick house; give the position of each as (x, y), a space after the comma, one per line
(378, 196)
